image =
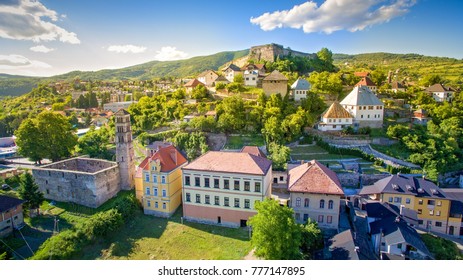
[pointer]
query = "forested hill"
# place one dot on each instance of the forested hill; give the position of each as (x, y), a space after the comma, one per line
(17, 85)
(411, 66)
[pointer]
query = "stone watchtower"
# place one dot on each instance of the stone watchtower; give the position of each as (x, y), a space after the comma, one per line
(124, 149)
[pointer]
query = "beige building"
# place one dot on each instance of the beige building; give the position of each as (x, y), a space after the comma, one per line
(11, 214)
(315, 193)
(222, 187)
(275, 83)
(208, 77)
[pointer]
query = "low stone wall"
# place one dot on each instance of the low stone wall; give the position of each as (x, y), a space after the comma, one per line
(353, 179)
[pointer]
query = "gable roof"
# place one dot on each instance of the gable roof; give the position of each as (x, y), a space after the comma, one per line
(314, 177)
(204, 73)
(253, 150)
(122, 112)
(257, 66)
(407, 185)
(275, 76)
(362, 74)
(221, 79)
(169, 157)
(193, 83)
(8, 202)
(301, 84)
(366, 81)
(361, 95)
(438, 88)
(231, 162)
(336, 111)
(232, 67)
(383, 210)
(342, 246)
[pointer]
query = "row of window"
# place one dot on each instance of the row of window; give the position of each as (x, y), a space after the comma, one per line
(420, 201)
(321, 218)
(307, 201)
(226, 201)
(374, 117)
(431, 212)
(437, 224)
(155, 179)
(398, 200)
(156, 204)
(155, 192)
(431, 202)
(338, 120)
(215, 183)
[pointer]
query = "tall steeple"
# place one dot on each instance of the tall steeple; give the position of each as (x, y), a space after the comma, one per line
(124, 149)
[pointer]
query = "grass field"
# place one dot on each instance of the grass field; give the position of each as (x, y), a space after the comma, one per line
(152, 238)
(238, 142)
(315, 152)
(395, 150)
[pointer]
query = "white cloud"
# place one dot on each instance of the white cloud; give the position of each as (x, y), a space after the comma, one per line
(126, 49)
(19, 65)
(31, 20)
(170, 53)
(41, 48)
(334, 15)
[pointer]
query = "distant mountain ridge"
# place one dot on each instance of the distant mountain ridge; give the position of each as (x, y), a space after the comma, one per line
(420, 64)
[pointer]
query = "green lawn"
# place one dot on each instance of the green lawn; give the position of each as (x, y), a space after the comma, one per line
(308, 150)
(238, 142)
(397, 150)
(441, 248)
(152, 238)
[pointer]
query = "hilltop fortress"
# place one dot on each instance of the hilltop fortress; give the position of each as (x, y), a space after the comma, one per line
(270, 52)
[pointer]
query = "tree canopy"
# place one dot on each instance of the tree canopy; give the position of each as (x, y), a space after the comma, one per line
(29, 191)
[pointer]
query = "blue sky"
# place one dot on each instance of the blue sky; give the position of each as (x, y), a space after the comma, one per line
(48, 37)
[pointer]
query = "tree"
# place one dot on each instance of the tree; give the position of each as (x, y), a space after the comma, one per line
(275, 234)
(238, 78)
(431, 79)
(312, 239)
(29, 191)
(199, 92)
(50, 135)
(326, 83)
(279, 155)
(94, 143)
(92, 100)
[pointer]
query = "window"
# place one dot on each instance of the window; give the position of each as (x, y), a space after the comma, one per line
(370, 107)
(206, 182)
(226, 184)
(420, 211)
(226, 201)
(216, 200)
(431, 212)
(155, 191)
(330, 204)
(306, 217)
(399, 246)
(420, 222)
(156, 205)
(247, 186)
(216, 183)
(237, 202)
(361, 116)
(281, 179)
(198, 198)
(420, 202)
(322, 203)
(148, 203)
(236, 185)
(188, 197)
(437, 213)
(208, 199)
(320, 218)
(247, 204)
(164, 205)
(390, 199)
(147, 190)
(431, 202)
(155, 179)
(438, 224)
(306, 203)
(164, 193)
(329, 219)
(163, 179)
(439, 203)
(298, 216)
(398, 199)
(257, 186)
(298, 202)
(197, 180)
(187, 180)
(147, 177)
(407, 200)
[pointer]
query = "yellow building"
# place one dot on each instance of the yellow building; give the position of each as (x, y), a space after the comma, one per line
(428, 200)
(158, 182)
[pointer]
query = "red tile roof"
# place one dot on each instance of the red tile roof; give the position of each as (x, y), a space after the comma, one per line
(336, 111)
(314, 177)
(362, 74)
(253, 150)
(231, 162)
(193, 83)
(366, 81)
(169, 157)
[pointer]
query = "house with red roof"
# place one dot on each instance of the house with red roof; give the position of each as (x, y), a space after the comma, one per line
(221, 188)
(158, 181)
(315, 193)
(190, 85)
(366, 81)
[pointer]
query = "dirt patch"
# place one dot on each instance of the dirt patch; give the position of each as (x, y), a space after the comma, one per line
(216, 141)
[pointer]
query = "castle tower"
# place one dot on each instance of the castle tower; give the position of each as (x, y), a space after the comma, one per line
(124, 149)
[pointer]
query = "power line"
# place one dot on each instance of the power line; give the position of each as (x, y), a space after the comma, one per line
(16, 253)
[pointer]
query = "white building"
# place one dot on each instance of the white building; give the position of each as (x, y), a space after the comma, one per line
(230, 72)
(251, 77)
(365, 107)
(440, 93)
(335, 118)
(299, 89)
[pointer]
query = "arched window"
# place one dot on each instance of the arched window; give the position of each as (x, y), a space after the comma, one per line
(306, 202)
(322, 203)
(298, 202)
(330, 204)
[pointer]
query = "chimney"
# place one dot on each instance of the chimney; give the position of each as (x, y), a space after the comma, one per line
(401, 210)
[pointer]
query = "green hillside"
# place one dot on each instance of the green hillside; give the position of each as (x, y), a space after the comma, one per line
(17, 85)
(411, 66)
